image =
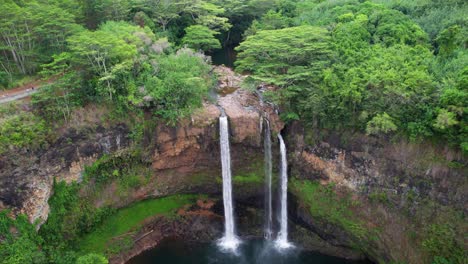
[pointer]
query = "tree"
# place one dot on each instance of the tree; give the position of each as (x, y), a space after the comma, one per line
(17, 39)
(293, 59)
(177, 87)
(201, 38)
(107, 52)
(97, 12)
(31, 33)
(165, 11)
(269, 21)
(381, 124)
(285, 56)
(210, 15)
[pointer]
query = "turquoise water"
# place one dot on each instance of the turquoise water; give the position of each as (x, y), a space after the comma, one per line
(251, 252)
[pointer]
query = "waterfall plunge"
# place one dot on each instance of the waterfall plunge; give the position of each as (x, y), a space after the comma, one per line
(230, 240)
(268, 180)
(281, 241)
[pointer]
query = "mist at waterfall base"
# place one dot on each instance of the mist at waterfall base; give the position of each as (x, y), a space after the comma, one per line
(258, 251)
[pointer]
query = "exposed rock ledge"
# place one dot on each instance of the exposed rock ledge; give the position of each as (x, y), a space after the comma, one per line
(197, 223)
(190, 147)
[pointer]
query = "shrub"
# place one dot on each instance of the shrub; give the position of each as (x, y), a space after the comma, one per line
(24, 130)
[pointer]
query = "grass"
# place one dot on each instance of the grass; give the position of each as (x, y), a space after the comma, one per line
(129, 219)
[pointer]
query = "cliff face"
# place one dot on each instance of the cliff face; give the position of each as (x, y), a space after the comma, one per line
(393, 192)
(184, 158)
(26, 178)
(351, 195)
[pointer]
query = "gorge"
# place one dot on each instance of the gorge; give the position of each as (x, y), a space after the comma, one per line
(233, 131)
(340, 179)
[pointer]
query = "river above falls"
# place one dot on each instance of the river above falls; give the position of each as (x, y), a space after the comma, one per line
(249, 252)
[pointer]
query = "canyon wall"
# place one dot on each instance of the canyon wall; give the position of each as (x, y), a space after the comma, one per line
(392, 195)
(352, 195)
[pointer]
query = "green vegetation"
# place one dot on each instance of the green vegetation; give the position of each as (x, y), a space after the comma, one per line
(75, 228)
(19, 240)
(201, 38)
(253, 173)
(441, 244)
(324, 204)
(92, 258)
(128, 219)
(361, 65)
(22, 130)
(115, 167)
(248, 178)
(381, 67)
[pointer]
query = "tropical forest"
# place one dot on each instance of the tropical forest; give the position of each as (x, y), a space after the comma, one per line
(233, 131)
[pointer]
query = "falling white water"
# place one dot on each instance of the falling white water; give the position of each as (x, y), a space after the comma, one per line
(230, 240)
(282, 239)
(268, 179)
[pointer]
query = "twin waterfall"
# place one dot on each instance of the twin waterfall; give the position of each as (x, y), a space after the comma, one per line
(230, 241)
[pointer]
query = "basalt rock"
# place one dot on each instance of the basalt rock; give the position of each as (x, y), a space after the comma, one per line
(184, 158)
(394, 182)
(26, 178)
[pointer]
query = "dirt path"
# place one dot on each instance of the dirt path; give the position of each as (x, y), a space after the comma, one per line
(22, 91)
(18, 95)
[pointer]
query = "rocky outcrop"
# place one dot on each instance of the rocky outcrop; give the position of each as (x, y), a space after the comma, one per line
(178, 154)
(365, 164)
(401, 176)
(26, 178)
(393, 184)
(197, 223)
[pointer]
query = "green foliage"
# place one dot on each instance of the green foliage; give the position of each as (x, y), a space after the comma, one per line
(177, 87)
(380, 197)
(376, 73)
(30, 33)
(70, 217)
(441, 244)
(114, 167)
(57, 101)
(201, 38)
(92, 258)
(425, 12)
(286, 56)
(292, 58)
(252, 173)
(107, 52)
(96, 12)
(128, 219)
(271, 20)
(381, 123)
(324, 204)
(22, 130)
(19, 240)
(125, 65)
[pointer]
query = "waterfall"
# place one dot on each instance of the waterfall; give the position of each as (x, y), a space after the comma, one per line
(268, 179)
(282, 239)
(230, 240)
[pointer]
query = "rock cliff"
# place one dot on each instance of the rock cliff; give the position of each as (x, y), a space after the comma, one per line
(389, 193)
(351, 195)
